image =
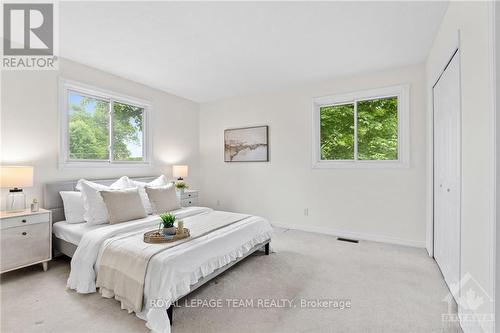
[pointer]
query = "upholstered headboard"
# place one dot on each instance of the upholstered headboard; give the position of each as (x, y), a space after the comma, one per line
(53, 200)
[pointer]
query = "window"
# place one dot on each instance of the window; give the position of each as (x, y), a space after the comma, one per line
(102, 128)
(364, 129)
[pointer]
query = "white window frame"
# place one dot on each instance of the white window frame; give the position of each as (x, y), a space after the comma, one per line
(402, 92)
(67, 86)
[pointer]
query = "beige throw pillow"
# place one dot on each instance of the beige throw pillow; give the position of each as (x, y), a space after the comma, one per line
(160, 181)
(163, 198)
(123, 205)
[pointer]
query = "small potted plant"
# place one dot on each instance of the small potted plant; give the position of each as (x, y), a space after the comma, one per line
(181, 186)
(167, 221)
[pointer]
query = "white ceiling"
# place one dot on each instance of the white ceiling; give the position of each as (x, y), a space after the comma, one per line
(209, 51)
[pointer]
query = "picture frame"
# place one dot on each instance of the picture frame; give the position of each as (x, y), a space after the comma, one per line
(246, 144)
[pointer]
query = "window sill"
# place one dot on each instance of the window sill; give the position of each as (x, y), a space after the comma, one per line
(361, 165)
(64, 165)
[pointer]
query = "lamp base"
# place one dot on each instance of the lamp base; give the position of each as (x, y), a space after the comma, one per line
(16, 201)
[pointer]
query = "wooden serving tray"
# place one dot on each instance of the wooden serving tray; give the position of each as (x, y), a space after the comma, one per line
(156, 236)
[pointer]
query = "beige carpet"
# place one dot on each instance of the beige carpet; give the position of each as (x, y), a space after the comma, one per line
(391, 289)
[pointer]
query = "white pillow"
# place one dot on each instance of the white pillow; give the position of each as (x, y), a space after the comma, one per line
(74, 209)
(160, 181)
(123, 182)
(95, 209)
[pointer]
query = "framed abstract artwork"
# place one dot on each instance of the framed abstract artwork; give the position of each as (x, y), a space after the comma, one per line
(248, 144)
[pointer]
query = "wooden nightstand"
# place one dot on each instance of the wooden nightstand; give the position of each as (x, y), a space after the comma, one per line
(25, 239)
(188, 198)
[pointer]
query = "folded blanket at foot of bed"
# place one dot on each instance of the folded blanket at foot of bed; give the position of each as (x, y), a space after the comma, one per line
(124, 259)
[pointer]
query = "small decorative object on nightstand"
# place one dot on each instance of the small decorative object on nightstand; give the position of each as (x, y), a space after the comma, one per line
(181, 186)
(34, 205)
(188, 198)
(25, 239)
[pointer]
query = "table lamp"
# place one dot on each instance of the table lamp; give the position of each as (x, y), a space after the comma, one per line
(180, 171)
(14, 178)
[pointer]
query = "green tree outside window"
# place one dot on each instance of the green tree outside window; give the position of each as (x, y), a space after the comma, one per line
(377, 130)
(89, 129)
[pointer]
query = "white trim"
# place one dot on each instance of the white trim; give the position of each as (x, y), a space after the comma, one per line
(110, 129)
(351, 235)
(356, 143)
(106, 164)
(461, 258)
(67, 85)
(103, 93)
(403, 94)
(495, 229)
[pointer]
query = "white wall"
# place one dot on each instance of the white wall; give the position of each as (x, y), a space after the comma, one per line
(30, 126)
(497, 191)
(473, 19)
(385, 204)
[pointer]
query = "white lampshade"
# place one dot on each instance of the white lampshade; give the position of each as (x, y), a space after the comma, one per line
(16, 176)
(180, 171)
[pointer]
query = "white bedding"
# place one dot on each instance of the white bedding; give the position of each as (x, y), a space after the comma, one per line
(72, 232)
(170, 273)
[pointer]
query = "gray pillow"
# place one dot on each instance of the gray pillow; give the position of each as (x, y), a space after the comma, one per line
(123, 205)
(163, 198)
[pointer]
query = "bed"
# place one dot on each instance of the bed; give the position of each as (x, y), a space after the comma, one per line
(170, 273)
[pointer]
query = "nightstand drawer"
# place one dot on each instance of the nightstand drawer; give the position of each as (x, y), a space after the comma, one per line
(25, 245)
(18, 221)
(189, 202)
(188, 195)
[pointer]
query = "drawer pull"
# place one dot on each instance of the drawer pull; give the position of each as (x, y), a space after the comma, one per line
(24, 221)
(24, 233)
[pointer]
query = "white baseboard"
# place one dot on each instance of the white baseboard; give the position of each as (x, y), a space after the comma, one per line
(351, 235)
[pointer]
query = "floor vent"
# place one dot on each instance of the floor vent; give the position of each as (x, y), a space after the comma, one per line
(347, 240)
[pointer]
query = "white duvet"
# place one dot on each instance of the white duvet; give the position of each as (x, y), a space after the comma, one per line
(170, 273)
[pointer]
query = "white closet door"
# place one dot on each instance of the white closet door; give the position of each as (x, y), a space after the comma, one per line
(447, 172)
